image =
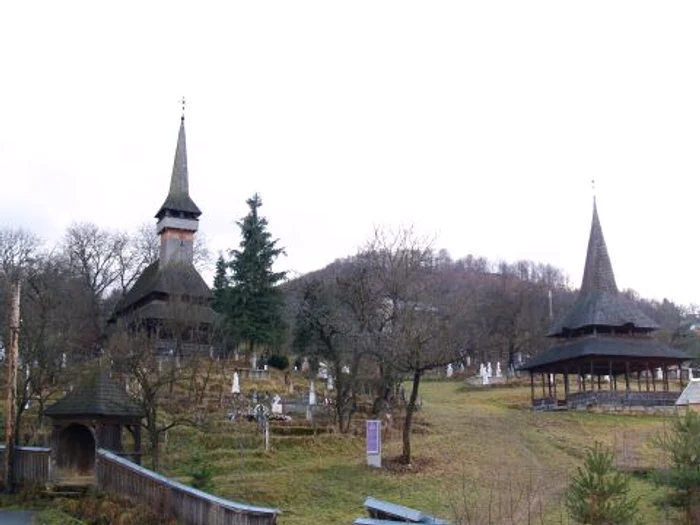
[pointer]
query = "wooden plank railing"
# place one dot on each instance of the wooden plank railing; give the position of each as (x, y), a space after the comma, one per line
(32, 464)
(120, 477)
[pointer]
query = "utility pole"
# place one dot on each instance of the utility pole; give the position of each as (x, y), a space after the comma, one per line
(10, 402)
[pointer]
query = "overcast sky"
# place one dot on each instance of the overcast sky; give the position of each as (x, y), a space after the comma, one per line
(481, 123)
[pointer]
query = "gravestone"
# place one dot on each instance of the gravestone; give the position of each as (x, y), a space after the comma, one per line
(323, 371)
(498, 369)
(276, 406)
(489, 370)
(312, 393)
(305, 365)
(345, 369)
(485, 376)
(236, 385)
(329, 383)
(659, 374)
(449, 371)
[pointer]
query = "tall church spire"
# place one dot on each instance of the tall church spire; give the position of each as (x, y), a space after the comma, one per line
(598, 274)
(599, 306)
(178, 217)
(178, 199)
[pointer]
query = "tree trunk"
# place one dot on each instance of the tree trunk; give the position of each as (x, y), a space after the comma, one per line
(410, 409)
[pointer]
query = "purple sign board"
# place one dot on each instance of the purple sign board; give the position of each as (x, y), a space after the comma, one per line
(374, 436)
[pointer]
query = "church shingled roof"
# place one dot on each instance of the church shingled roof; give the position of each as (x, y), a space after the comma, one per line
(174, 278)
(178, 199)
(97, 395)
(599, 302)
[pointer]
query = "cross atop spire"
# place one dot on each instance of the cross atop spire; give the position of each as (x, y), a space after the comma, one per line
(182, 101)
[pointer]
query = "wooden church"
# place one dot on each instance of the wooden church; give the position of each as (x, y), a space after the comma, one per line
(170, 301)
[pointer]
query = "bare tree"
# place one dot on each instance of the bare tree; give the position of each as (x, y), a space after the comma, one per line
(18, 248)
(155, 376)
(419, 311)
(323, 330)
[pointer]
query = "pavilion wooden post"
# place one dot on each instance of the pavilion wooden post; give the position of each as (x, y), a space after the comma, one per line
(639, 380)
(665, 378)
(544, 393)
(680, 377)
(554, 381)
(653, 382)
(647, 377)
(579, 379)
(532, 385)
(610, 376)
(566, 383)
(11, 400)
(592, 378)
(627, 376)
(549, 385)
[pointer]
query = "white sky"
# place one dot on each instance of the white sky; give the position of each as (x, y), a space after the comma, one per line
(479, 122)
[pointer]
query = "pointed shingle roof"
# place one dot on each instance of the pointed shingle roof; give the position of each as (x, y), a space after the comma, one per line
(97, 395)
(178, 198)
(599, 302)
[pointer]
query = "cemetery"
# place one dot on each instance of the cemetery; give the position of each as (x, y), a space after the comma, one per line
(187, 405)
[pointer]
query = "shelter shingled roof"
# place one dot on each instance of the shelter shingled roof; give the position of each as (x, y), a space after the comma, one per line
(599, 302)
(631, 348)
(97, 395)
(178, 198)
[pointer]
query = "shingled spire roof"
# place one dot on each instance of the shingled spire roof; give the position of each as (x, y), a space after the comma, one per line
(178, 199)
(598, 273)
(599, 303)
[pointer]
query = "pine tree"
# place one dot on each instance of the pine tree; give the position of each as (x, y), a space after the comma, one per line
(681, 443)
(254, 305)
(599, 493)
(220, 284)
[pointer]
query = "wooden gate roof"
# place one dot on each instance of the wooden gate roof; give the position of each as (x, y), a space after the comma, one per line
(97, 395)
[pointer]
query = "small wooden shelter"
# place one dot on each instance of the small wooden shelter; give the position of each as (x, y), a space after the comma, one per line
(605, 345)
(92, 416)
(690, 397)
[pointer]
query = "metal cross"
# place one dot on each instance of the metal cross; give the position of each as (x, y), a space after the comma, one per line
(182, 101)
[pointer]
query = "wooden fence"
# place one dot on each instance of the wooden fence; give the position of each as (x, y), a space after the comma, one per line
(32, 464)
(120, 477)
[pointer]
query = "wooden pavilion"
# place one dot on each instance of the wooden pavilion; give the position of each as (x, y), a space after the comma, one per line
(92, 416)
(606, 354)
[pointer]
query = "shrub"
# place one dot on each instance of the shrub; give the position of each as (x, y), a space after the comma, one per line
(599, 493)
(201, 471)
(280, 362)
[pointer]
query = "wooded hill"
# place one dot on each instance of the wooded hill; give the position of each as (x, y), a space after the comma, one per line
(506, 307)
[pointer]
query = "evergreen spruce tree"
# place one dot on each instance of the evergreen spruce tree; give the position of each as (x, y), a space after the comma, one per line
(599, 493)
(254, 305)
(220, 285)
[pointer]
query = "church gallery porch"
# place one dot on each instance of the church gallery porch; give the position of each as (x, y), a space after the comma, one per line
(606, 381)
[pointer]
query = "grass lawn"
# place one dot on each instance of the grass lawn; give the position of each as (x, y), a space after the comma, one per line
(480, 454)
